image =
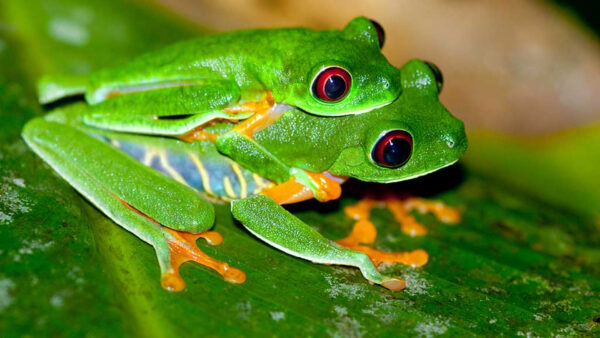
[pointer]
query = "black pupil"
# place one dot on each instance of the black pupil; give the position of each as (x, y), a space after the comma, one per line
(335, 87)
(396, 152)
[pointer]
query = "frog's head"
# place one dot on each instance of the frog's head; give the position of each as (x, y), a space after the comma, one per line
(413, 136)
(341, 73)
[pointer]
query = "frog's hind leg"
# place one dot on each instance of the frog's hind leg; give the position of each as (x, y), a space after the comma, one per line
(183, 112)
(162, 212)
(364, 231)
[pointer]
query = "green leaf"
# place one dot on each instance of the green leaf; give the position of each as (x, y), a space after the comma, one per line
(524, 260)
(562, 168)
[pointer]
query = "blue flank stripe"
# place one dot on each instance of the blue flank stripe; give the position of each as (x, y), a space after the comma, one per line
(155, 163)
(250, 183)
(135, 150)
(217, 167)
(187, 169)
(216, 173)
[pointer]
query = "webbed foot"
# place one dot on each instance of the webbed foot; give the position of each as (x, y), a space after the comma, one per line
(265, 111)
(364, 231)
(183, 248)
(198, 134)
(263, 116)
(304, 185)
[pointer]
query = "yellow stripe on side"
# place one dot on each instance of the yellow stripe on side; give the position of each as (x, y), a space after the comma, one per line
(241, 179)
(228, 188)
(172, 172)
(203, 173)
(149, 156)
(261, 184)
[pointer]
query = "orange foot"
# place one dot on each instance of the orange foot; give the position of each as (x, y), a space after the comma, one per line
(364, 231)
(198, 134)
(262, 118)
(327, 188)
(183, 248)
(401, 211)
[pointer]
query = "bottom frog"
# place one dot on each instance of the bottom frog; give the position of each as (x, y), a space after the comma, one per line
(154, 186)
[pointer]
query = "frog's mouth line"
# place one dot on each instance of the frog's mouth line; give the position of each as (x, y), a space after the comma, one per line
(421, 174)
(352, 112)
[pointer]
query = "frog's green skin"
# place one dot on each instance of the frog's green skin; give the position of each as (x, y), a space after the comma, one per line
(107, 176)
(182, 87)
(238, 66)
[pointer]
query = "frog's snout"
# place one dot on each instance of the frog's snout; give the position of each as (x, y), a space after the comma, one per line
(456, 140)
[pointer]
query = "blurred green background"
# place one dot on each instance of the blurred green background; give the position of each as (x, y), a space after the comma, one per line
(524, 261)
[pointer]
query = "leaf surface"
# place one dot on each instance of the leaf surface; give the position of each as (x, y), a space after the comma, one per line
(524, 260)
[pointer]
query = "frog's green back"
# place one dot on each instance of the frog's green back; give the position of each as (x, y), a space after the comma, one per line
(284, 61)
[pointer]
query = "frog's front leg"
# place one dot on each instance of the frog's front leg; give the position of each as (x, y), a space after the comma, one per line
(239, 143)
(162, 212)
(256, 114)
(270, 222)
(293, 185)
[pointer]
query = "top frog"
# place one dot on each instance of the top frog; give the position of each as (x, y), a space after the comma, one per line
(326, 73)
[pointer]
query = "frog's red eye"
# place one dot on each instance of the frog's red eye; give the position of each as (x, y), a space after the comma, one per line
(380, 32)
(332, 84)
(393, 149)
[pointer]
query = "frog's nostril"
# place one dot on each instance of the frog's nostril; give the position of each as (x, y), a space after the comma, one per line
(456, 141)
(449, 141)
(385, 83)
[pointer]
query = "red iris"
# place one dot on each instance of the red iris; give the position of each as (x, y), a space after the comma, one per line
(332, 84)
(393, 149)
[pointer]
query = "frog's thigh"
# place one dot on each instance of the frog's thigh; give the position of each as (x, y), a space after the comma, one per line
(273, 224)
(166, 111)
(117, 184)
